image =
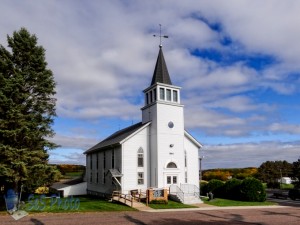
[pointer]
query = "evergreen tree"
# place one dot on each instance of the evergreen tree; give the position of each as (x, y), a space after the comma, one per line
(27, 109)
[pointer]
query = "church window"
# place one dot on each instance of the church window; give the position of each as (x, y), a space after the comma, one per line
(171, 165)
(140, 157)
(168, 95)
(91, 177)
(169, 179)
(162, 93)
(97, 161)
(175, 96)
(113, 159)
(174, 179)
(104, 160)
(151, 97)
(91, 161)
(147, 99)
(185, 159)
(140, 178)
(103, 178)
(185, 177)
(154, 94)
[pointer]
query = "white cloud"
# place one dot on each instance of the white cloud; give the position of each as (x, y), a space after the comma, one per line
(249, 154)
(284, 128)
(103, 55)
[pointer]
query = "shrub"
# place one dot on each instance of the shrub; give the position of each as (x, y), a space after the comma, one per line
(252, 190)
(215, 186)
(294, 194)
(231, 189)
(203, 187)
(159, 201)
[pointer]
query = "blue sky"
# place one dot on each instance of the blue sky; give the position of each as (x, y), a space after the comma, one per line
(236, 61)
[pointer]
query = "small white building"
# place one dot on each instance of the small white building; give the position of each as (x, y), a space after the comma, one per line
(157, 152)
(71, 187)
(285, 180)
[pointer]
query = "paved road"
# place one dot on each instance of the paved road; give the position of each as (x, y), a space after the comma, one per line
(284, 201)
(222, 216)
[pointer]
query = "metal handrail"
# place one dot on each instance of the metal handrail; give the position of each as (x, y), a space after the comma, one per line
(190, 189)
(179, 193)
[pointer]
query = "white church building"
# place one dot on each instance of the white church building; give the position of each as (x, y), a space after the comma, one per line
(154, 153)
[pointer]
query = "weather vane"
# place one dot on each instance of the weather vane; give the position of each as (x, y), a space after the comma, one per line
(160, 36)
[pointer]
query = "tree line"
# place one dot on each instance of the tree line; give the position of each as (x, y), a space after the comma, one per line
(269, 172)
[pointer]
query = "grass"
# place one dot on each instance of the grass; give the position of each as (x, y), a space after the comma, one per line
(72, 175)
(226, 202)
(286, 186)
(171, 205)
(75, 204)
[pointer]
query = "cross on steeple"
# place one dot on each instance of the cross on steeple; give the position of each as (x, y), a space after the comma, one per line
(160, 36)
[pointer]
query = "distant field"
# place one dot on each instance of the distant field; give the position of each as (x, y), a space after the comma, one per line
(72, 175)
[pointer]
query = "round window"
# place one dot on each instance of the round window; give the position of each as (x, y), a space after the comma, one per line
(171, 124)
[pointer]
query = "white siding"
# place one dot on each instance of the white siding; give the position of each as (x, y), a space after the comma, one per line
(77, 189)
(167, 137)
(129, 167)
(192, 161)
(100, 186)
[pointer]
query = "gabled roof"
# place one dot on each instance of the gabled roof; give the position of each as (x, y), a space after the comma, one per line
(116, 138)
(161, 74)
(189, 136)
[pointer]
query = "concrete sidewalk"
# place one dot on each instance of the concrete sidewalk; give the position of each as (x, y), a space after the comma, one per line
(203, 207)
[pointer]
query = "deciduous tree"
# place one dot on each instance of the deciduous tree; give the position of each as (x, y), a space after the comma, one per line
(272, 171)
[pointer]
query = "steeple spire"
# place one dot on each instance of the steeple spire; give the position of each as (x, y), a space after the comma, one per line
(161, 74)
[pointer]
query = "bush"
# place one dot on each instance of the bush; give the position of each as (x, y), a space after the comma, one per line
(294, 194)
(252, 190)
(159, 201)
(203, 187)
(231, 189)
(215, 186)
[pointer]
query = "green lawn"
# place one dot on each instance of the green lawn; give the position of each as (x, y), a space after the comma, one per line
(286, 186)
(226, 202)
(80, 204)
(171, 205)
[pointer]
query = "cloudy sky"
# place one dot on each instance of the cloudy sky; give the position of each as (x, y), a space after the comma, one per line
(238, 63)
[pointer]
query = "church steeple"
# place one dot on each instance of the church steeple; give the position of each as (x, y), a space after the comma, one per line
(161, 74)
(161, 91)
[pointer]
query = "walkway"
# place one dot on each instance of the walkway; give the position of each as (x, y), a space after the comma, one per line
(200, 206)
(137, 205)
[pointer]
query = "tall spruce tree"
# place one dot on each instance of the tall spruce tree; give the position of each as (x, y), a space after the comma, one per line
(27, 110)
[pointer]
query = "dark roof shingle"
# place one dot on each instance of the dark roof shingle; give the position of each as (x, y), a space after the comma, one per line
(161, 74)
(115, 138)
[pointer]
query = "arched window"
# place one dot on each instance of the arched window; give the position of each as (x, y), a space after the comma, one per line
(171, 165)
(140, 157)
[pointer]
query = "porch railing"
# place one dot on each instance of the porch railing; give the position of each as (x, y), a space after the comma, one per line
(190, 189)
(174, 189)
